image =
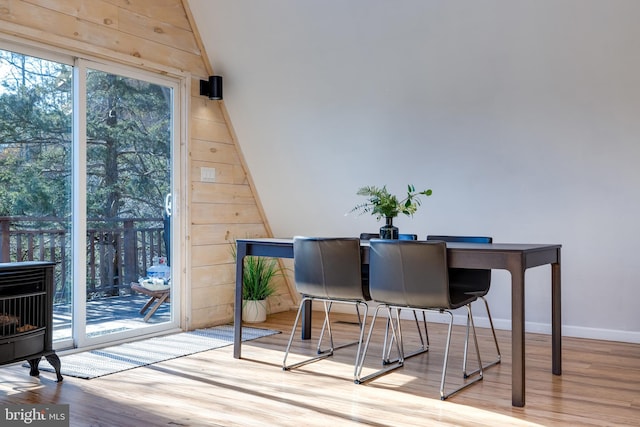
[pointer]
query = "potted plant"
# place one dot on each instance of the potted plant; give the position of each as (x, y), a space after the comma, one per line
(381, 203)
(257, 285)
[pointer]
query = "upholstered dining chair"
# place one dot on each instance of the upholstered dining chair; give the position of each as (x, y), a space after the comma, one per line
(424, 338)
(328, 270)
(474, 282)
(413, 275)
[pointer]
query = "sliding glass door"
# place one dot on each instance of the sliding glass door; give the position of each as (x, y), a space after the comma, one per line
(87, 154)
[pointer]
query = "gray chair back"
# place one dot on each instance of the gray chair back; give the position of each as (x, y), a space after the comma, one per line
(369, 236)
(328, 267)
(409, 273)
(467, 279)
(407, 237)
(461, 239)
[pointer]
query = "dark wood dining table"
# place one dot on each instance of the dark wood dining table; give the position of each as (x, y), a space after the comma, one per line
(513, 257)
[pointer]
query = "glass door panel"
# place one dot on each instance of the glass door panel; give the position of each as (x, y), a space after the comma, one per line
(129, 134)
(35, 171)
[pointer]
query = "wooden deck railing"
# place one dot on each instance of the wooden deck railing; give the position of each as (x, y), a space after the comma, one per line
(118, 250)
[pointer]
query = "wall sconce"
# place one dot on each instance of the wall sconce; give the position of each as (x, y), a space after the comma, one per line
(212, 87)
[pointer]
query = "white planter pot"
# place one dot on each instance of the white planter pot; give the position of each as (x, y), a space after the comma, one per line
(254, 311)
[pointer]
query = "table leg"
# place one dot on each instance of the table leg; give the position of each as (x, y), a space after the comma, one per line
(517, 337)
(241, 252)
(306, 320)
(556, 318)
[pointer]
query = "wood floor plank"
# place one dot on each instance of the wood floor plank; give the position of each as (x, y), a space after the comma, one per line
(600, 386)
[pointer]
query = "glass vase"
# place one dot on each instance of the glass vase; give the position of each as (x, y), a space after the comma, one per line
(388, 231)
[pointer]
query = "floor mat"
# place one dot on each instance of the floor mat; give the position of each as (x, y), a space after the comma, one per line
(109, 360)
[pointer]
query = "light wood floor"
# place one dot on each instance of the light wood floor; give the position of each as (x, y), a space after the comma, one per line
(600, 386)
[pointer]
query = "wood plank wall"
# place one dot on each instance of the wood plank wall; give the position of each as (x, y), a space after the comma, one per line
(156, 35)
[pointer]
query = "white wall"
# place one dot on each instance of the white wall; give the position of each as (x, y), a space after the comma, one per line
(521, 115)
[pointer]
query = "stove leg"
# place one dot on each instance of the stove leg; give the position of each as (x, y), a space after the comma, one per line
(33, 363)
(54, 361)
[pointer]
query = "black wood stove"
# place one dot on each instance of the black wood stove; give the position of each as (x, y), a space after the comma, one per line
(26, 314)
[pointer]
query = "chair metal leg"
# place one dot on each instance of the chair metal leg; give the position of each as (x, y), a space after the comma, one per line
(444, 395)
(286, 367)
(325, 326)
(323, 354)
(362, 320)
(426, 331)
(327, 322)
(424, 341)
(466, 350)
(495, 340)
(359, 353)
(395, 331)
(493, 331)
(386, 345)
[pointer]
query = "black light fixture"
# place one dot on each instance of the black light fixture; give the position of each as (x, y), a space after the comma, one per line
(212, 87)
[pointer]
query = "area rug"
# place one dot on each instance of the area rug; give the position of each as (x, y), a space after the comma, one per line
(109, 360)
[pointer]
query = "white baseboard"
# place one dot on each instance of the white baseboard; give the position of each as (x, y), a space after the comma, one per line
(567, 330)
(601, 334)
(533, 327)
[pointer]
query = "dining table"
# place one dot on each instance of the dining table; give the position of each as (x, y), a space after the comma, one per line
(516, 258)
